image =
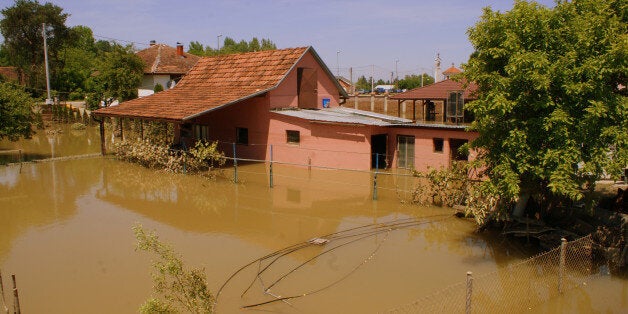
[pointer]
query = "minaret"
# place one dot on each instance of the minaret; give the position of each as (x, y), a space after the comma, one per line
(437, 74)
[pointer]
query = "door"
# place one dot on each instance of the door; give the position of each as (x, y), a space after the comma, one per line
(405, 151)
(378, 151)
(307, 88)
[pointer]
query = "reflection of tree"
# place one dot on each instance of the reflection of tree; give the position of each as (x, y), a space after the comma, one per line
(41, 194)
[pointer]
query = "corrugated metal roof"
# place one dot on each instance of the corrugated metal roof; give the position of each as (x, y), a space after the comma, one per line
(344, 115)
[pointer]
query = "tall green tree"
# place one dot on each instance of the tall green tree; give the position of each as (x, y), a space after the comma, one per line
(118, 73)
(77, 63)
(21, 27)
(16, 112)
(552, 108)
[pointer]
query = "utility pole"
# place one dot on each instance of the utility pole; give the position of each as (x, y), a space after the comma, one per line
(396, 71)
(43, 33)
(218, 41)
(351, 79)
(338, 63)
(372, 77)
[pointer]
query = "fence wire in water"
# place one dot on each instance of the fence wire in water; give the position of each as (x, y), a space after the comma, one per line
(537, 281)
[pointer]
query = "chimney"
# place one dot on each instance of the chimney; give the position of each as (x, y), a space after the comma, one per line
(179, 49)
(152, 43)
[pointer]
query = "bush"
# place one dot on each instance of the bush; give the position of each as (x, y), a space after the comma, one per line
(202, 158)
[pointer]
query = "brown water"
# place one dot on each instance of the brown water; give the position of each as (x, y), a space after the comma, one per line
(65, 232)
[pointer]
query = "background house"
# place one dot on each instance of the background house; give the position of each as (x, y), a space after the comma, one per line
(163, 65)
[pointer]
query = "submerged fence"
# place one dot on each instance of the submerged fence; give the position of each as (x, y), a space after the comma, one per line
(537, 281)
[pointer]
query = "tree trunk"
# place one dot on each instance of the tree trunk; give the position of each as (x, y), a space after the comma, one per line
(522, 202)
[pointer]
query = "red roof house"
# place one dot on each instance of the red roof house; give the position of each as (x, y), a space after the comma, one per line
(164, 65)
(286, 106)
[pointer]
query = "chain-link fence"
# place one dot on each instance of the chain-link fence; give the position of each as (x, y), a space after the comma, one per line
(537, 280)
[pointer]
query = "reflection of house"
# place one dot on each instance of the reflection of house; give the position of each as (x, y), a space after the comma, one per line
(346, 84)
(163, 65)
(286, 105)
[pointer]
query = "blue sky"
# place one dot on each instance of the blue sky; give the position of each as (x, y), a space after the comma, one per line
(365, 32)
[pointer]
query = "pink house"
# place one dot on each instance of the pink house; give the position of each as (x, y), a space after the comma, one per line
(286, 106)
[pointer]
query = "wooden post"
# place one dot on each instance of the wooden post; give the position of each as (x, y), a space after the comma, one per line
(469, 292)
(398, 108)
(16, 298)
(4, 301)
(120, 120)
(413, 110)
(142, 130)
(103, 147)
(375, 177)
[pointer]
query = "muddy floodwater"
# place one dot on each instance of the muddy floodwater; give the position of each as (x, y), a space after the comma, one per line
(65, 232)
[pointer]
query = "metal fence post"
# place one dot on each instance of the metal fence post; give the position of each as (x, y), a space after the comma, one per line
(235, 165)
(271, 166)
(375, 177)
(561, 266)
(469, 292)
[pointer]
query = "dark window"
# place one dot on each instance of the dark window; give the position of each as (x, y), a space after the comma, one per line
(456, 152)
(438, 145)
(201, 132)
(242, 136)
(293, 137)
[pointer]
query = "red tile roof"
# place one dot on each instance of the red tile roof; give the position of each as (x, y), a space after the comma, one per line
(163, 59)
(213, 82)
(438, 91)
(452, 70)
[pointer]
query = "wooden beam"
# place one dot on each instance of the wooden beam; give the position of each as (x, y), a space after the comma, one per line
(103, 147)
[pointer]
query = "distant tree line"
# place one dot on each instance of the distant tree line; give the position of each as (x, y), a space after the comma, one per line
(408, 82)
(230, 46)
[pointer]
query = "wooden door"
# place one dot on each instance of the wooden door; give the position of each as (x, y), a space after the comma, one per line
(307, 88)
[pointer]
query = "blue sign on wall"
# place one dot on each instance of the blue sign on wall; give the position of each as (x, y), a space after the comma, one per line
(326, 102)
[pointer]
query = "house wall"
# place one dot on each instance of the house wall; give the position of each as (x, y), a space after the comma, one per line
(321, 144)
(424, 154)
(285, 95)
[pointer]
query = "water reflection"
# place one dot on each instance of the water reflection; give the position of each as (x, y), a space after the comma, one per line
(66, 233)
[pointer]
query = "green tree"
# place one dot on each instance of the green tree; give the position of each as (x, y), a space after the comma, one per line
(180, 288)
(77, 63)
(413, 81)
(363, 83)
(230, 46)
(552, 108)
(117, 75)
(16, 113)
(21, 27)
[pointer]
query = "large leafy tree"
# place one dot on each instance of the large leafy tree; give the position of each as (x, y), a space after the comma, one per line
(552, 108)
(118, 73)
(21, 27)
(16, 112)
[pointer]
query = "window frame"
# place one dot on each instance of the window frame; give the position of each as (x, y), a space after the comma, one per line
(242, 136)
(294, 132)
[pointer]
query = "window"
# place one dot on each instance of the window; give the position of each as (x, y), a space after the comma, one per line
(242, 136)
(455, 103)
(201, 132)
(293, 137)
(458, 153)
(438, 144)
(405, 149)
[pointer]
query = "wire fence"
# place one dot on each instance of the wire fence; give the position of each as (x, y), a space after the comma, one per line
(537, 281)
